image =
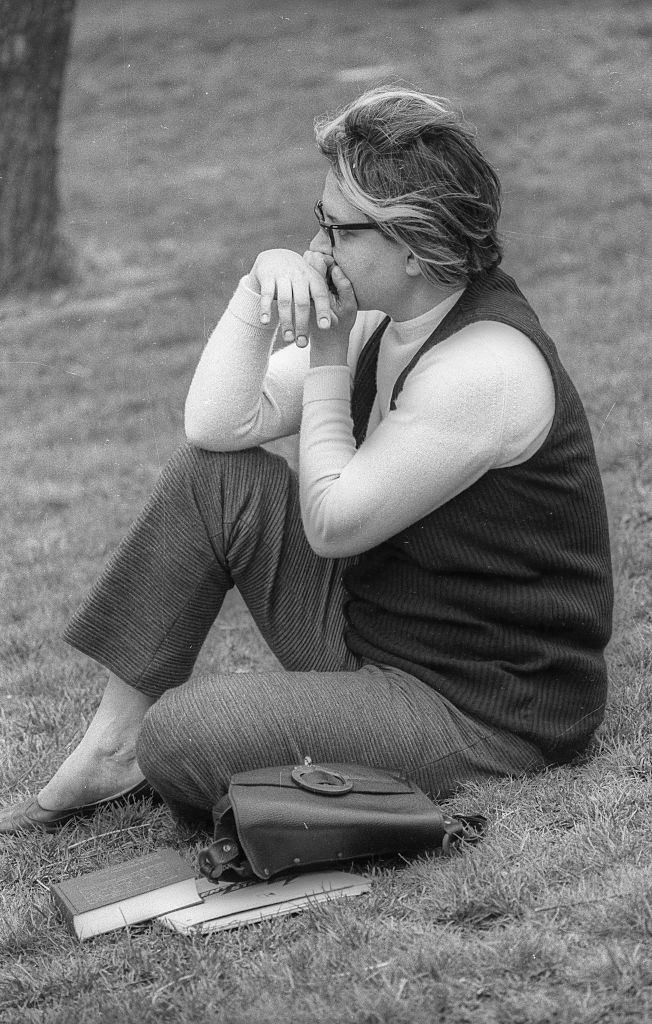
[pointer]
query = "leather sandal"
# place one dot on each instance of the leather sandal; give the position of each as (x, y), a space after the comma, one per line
(29, 816)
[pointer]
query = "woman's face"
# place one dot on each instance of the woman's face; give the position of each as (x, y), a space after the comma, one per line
(375, 265)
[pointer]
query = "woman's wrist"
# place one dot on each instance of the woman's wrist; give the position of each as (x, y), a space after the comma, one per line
(328, 350)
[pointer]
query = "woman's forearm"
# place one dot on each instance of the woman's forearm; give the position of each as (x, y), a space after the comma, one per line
(239, 397)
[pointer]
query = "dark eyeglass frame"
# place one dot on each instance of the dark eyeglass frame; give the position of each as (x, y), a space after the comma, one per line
(330, 229)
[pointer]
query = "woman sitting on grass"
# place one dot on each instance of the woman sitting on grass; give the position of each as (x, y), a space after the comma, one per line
(435, 582)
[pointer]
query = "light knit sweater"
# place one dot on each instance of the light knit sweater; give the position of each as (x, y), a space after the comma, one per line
(479, 401)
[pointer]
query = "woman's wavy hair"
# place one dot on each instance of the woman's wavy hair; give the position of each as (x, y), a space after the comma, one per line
(408, 162)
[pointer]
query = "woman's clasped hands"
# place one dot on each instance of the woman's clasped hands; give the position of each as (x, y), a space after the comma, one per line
(306, 304)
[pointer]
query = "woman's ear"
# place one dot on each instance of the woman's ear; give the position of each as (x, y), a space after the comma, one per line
(412, 268)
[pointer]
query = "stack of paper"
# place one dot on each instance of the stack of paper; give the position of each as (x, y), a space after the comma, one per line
(227, 905)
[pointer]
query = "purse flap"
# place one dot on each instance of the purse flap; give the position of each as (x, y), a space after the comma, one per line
(361, 778)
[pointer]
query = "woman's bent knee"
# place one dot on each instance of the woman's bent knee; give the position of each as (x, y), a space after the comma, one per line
(228, 479)
(188, 459)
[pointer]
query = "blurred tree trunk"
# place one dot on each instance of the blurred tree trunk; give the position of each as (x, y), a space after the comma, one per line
(34, 38)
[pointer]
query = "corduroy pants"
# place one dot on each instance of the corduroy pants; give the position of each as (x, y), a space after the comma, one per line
(217, 520)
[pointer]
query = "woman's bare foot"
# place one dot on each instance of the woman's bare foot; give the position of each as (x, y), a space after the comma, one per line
(104, 762)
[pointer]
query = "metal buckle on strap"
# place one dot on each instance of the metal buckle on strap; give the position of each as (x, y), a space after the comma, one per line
(222, 855)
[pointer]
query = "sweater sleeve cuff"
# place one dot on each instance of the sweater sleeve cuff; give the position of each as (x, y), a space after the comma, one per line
(245, 303)
(327, 382)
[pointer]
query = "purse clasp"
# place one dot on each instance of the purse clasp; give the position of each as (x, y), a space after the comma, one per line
(322, 781)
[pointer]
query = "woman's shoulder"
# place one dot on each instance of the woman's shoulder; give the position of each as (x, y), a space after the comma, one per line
(492, 366)
(491, 347)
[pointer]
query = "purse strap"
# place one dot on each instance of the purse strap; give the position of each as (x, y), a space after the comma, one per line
(224, 858)
(462, 829)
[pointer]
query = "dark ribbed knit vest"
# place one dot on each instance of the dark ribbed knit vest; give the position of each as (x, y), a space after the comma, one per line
(501, 599)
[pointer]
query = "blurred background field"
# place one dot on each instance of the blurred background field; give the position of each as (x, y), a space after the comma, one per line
(186, 147)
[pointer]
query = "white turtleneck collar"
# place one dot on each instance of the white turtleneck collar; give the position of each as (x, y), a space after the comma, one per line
(423, 325)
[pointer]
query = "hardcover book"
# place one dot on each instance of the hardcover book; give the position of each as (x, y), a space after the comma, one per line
(125, 894)
(228, 905)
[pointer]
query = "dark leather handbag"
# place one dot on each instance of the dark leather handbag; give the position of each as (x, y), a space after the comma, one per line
(295, 816)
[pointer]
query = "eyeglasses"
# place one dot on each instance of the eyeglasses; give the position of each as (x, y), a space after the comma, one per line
(330, 229)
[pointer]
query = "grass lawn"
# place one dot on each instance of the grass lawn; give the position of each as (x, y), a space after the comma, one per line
(186, 148)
